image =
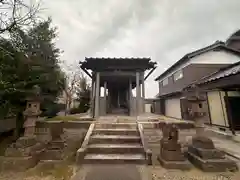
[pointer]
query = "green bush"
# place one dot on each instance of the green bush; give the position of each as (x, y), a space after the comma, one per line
(63, 118)
(51, 109)
(75, 111)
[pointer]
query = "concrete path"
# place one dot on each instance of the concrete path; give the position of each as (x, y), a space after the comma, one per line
(112, 172)
(229, 146)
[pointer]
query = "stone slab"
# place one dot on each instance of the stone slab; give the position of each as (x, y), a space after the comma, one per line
(212, 165)
(172, 155)
(17, 163)
(206, 153)
(182, 165)
(115, 159)
(52, 154)
(24, 142)
(203, 142)
(113, 172)
(169, 145)
(23, 152)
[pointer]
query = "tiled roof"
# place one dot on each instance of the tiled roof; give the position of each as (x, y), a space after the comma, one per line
(118, 58)
(228, 71)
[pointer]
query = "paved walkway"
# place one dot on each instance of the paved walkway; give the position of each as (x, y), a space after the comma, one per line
(229, 146)
(112, 172)
(141, 172)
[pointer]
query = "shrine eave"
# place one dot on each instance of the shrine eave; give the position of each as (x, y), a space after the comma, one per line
(105, 64)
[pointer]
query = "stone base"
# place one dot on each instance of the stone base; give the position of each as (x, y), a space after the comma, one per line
(52, 154)
(182, 165)
(212, 165)
(17, 163)
(56, 144)
(168, 145)
(24, 152)
(206, 153)
(24, 142)
(202, 142)
(176, 155)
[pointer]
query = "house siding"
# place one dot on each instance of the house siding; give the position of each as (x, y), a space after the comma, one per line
(191, 73)
(215, 57)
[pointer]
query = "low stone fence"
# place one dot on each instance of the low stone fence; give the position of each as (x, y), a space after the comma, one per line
(43, 128)
(7, 124)
(160, 125)
(65, 124)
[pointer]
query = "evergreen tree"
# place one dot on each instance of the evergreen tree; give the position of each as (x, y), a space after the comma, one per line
(83, 94)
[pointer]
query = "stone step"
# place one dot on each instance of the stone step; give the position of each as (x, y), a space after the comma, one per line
(116, 132)
(115, 159)
(115, 148)
(116, 125)
(57, 143)
(114, 139)
(52, 154)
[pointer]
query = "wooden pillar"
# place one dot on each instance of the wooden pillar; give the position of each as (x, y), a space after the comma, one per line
(105, 97)
(138, 93)
(97, 98)
(143, 92)
(92, 97)
(130, 98)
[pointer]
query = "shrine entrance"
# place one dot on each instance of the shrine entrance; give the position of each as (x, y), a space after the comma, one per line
(113, 81)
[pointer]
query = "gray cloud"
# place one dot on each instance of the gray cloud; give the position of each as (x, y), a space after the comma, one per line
(164, 30)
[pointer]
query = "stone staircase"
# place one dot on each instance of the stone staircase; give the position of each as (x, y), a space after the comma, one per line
(114, 143)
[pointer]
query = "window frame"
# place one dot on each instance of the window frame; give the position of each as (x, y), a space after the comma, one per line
(165, 80)
(179, 73)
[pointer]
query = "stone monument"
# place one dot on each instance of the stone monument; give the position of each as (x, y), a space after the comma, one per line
(55, 148)
(24, 153)
(202, 152)
(171, 155)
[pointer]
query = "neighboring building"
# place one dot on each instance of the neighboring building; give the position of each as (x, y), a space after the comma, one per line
(234, 40)
(149, 105)
(187, 70)
(223, 93)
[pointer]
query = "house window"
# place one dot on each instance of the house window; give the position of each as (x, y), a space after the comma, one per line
(165, 82)
(178, 75)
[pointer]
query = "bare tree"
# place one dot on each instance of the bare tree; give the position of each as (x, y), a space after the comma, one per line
(17, 13)
(73, 77)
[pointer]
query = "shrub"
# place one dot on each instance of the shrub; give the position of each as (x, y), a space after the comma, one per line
(75, 111)
(51, 109)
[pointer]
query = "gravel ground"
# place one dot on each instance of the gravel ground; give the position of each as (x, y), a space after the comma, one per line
(159, 173)
(22, 176)
(147, 173)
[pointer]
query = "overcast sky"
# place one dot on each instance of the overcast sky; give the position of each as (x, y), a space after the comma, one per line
(164, 30)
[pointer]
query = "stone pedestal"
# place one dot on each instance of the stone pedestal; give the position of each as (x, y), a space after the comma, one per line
(205, 156)
(54, 151)
(202, 152)
(171, 155)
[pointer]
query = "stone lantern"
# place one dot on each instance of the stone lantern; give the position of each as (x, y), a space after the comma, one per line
(25, 152)
(202, 152)
(196, 111)
(32, 112)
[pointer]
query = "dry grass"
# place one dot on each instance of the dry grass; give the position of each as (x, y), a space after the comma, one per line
(61, 171)
(64, 118)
